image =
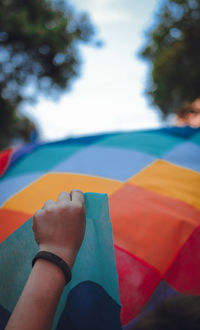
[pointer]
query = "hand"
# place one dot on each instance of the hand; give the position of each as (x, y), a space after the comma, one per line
(59, 227)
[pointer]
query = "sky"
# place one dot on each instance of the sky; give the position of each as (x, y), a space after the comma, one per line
(109, 94)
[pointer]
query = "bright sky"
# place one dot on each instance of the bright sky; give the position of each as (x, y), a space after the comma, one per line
(109, 95)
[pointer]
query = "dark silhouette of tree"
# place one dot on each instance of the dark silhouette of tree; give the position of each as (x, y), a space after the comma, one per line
(39, 54)
(173, 49)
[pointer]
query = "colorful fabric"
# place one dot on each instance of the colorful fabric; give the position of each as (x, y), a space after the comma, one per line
(94, 284)
(5, 159)
(153, 183)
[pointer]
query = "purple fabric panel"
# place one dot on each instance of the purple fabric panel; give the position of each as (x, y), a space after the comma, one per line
(23, 151)
(162, 292)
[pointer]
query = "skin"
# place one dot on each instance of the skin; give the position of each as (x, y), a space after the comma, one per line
(59, 228)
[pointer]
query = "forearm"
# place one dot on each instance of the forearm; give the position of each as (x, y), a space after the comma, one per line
(59, 228)
(38, 302)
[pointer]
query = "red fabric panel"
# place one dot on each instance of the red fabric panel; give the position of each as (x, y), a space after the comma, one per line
(137, 281)
(184, 274)
(4, 159)
(11, 221)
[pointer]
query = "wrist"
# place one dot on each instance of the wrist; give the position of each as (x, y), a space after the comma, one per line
(63, 253)
(56, 260)
(50, 272)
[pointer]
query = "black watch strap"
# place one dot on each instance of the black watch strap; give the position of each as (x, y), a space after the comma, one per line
(55, 260)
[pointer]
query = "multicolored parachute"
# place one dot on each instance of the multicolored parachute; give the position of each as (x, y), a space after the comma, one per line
(153, 183)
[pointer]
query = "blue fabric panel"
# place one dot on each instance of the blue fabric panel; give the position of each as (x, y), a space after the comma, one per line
(4, 317)
(185, 132)
(90, 307)
(162, 292)
(10, 186)
(106, 162)
(85, 140)
(186, 155)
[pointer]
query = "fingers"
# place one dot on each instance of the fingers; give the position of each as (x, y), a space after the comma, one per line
(49, 205)
(77, 196)
(63, 198)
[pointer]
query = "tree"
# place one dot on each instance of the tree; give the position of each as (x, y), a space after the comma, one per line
(173, 49)
(38, 55)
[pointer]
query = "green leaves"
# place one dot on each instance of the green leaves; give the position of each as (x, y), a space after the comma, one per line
(173, 48)
(39, 48)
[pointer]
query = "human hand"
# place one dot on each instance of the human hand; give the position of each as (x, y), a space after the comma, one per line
(59, 227)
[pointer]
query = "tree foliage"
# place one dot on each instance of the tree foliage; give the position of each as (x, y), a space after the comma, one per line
(173, 49)
(39, 54)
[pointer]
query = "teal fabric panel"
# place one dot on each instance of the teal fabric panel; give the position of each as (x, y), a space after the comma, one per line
(153, 143)
(42, 159)
(121, 164)
(196, 138)
(16, 252)
(95, 261)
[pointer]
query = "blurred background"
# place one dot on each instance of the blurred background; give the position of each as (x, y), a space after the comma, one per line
(87, 67)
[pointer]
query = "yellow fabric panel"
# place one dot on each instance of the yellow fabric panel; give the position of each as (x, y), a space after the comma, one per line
(170, 180)
(50, 185)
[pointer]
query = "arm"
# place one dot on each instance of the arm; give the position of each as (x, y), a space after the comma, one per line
(58, 228)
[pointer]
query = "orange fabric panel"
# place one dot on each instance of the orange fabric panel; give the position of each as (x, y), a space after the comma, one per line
(50, 185)
(170, 180)
(151, 226)
(11, 221)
